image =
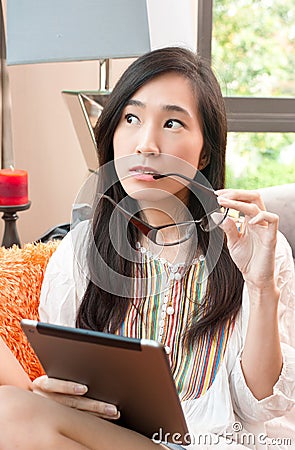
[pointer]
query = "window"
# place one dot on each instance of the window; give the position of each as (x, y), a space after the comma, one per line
(260, 159)
(251, 46)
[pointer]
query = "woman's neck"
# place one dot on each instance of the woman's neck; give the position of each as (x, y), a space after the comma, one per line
(170, 209)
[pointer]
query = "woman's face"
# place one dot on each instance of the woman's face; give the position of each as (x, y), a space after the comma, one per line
(159, 132)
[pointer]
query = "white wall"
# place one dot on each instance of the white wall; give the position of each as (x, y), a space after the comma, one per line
(173, 22)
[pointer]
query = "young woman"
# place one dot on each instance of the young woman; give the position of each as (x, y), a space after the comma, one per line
(211, 296)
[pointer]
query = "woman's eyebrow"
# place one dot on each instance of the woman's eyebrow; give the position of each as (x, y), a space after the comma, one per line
(176, 108)
(169, 108)
(133, 102)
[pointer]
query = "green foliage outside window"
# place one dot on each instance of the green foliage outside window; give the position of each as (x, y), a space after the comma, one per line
(260, 159)
(253, 54)
(269, 174)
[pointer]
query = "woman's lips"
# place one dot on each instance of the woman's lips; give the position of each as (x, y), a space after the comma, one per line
(143, 173)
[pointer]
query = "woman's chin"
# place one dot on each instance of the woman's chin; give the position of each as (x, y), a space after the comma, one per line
(148, 195)
(145, 192)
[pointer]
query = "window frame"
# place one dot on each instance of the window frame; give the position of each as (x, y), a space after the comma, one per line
(245, 114)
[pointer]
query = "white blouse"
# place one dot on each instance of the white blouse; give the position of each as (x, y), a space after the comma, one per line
(226, 415)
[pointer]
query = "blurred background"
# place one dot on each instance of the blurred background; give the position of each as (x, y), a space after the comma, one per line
(251, 45)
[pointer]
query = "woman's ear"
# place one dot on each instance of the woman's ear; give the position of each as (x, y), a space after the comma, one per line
(204, 160)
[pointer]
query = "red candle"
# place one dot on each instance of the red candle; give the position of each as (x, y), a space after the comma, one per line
(13, 187)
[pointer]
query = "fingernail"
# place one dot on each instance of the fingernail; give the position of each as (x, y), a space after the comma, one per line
(221, 199)
(110, 410)
(80, 389)
(38, 381)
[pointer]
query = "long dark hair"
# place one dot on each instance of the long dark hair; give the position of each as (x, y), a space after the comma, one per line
(105, 311)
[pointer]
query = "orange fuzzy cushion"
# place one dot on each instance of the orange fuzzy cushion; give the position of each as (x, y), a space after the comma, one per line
(21, 276)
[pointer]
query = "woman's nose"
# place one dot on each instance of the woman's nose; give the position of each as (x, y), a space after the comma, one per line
(148, 144)
(146, 151)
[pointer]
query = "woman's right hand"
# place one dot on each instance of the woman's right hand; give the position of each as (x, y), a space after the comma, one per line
(71, 394)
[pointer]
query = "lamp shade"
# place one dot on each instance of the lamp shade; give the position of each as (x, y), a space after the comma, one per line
(70, 30)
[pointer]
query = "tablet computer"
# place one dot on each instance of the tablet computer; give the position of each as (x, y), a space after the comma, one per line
(133, 374)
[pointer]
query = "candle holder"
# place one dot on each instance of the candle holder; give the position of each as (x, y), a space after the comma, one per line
(10, 217)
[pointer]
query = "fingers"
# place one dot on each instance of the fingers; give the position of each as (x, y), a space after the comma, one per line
(59, 386)
(250, 204)
(248, 209)
(263, 218)
(242, 196)
(231, 231)
(271, 219)
(70, 394)
(100, 409)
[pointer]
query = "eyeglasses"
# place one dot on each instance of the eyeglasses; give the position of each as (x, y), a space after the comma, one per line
(176, 233)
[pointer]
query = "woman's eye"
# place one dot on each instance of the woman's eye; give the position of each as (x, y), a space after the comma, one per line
(173, 123)
(130, 118)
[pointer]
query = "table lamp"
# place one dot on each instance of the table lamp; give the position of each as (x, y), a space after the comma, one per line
(69, 30)
(39, 31)
(42, 31)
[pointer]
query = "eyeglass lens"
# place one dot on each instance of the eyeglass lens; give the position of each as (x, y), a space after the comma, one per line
(213, 219)
(180, 232)
(175, 234)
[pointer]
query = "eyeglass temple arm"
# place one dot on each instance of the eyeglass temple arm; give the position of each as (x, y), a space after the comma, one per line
(142, 226)
(191, 180)
(207, 192)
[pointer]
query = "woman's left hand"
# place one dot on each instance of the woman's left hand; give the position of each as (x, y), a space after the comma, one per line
(252, 247)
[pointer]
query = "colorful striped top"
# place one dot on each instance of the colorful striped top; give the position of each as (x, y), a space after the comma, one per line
(174, 296)
(211, 410)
